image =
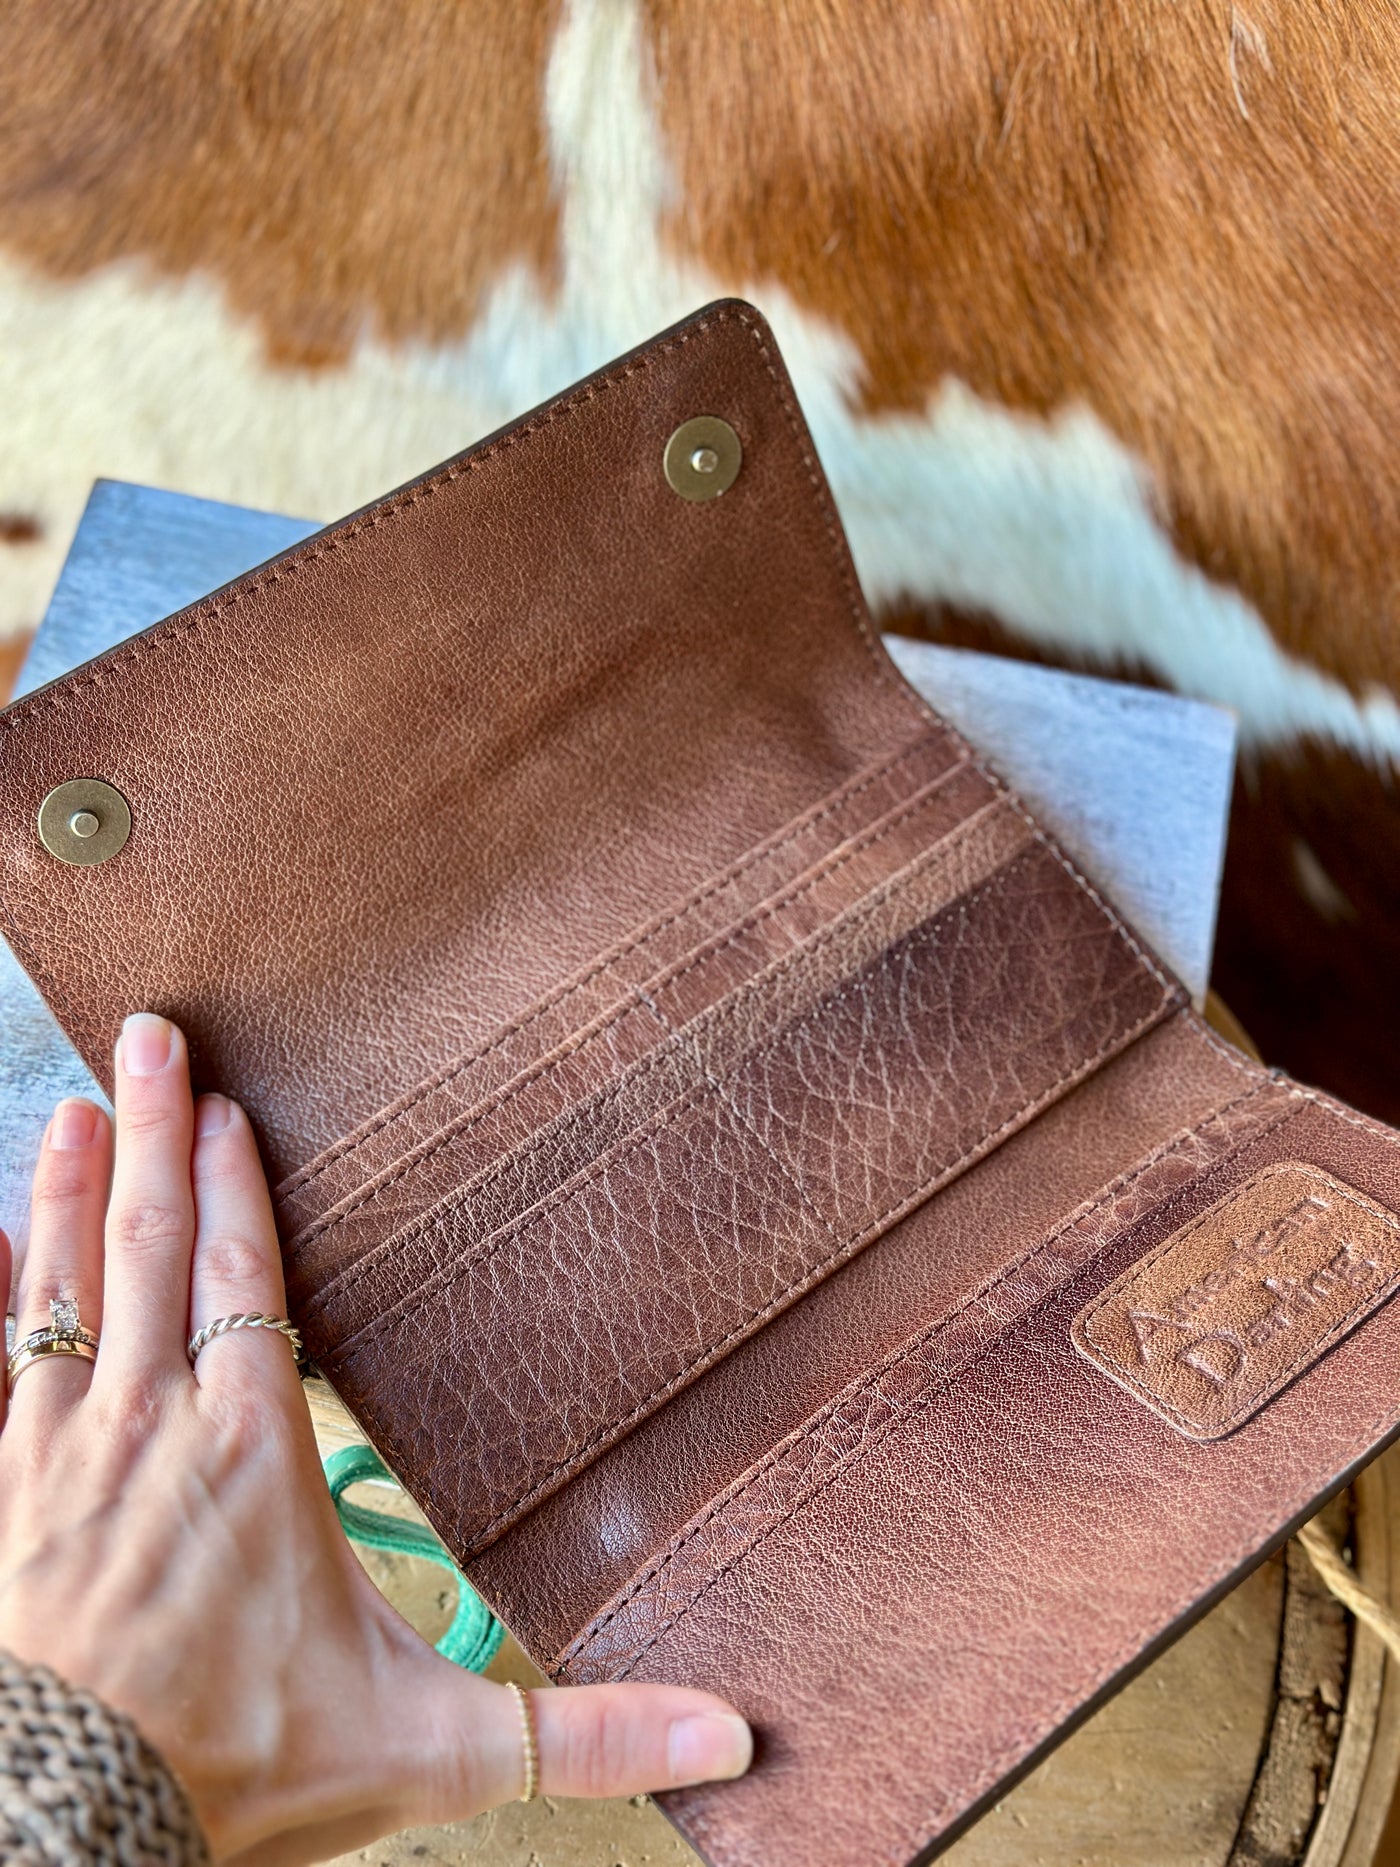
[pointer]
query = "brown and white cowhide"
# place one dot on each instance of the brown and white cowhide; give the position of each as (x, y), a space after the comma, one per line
(1092, 307)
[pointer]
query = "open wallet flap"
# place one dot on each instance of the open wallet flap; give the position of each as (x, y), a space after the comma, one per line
(784, 1228)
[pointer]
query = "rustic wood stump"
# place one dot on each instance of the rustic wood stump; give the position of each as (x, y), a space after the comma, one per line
(1269, 1736)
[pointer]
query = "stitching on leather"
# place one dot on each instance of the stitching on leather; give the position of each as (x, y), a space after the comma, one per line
(889, 673)
(618, 1151)
(814, 1274)
(1352, 1117)
(1163, 978)
(177, 629)
(468, 1120)
(1305, 1357)
(845, 794)
(884, 667)
(869, 1230)
(782, 1453)
(893, 1361)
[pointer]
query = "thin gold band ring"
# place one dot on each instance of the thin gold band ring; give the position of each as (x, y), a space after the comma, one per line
(47, 1347)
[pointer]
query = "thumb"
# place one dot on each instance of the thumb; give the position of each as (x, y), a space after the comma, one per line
(596, 1740)
(625, 1740)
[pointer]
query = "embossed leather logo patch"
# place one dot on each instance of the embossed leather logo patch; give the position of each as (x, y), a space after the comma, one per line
(1228, 1310)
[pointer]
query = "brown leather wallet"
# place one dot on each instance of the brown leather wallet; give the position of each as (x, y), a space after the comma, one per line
(787, 1232)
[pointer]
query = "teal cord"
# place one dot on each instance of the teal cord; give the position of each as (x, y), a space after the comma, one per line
(475, 1634)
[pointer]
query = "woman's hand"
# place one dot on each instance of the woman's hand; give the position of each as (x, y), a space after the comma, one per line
(167, 1540)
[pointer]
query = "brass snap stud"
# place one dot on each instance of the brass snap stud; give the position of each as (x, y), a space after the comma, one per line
(703, 458)
(84, 821)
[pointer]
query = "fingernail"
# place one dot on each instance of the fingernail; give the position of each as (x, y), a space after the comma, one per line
(74, 1124)
(145, 1045)
(213, 1115)
(704, 1748)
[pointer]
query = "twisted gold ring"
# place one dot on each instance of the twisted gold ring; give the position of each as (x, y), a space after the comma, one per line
(254, 1319)
(64, 1337)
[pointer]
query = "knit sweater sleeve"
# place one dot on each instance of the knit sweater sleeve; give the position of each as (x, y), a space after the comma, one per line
(80, 1786)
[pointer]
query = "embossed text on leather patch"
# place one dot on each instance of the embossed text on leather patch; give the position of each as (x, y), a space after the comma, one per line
(1237, 1303)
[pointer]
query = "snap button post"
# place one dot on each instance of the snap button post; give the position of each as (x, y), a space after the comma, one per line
(84, 821)
(702, 458)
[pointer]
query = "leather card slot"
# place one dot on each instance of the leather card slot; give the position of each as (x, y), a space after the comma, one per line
(574, 1322)
(560, 1565)
(526, 1121)
(723, 902)
(490, 1169)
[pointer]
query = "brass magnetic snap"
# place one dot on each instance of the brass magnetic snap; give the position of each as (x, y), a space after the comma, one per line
(84, 821)
(703, 458)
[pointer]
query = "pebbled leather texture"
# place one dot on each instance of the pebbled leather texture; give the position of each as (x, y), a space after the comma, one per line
(930, 1580)
(701, 1102)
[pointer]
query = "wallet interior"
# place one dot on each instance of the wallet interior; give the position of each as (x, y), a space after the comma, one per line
(750, 1258)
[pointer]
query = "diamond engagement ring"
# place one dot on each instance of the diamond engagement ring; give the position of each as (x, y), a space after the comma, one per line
(65, 1336)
